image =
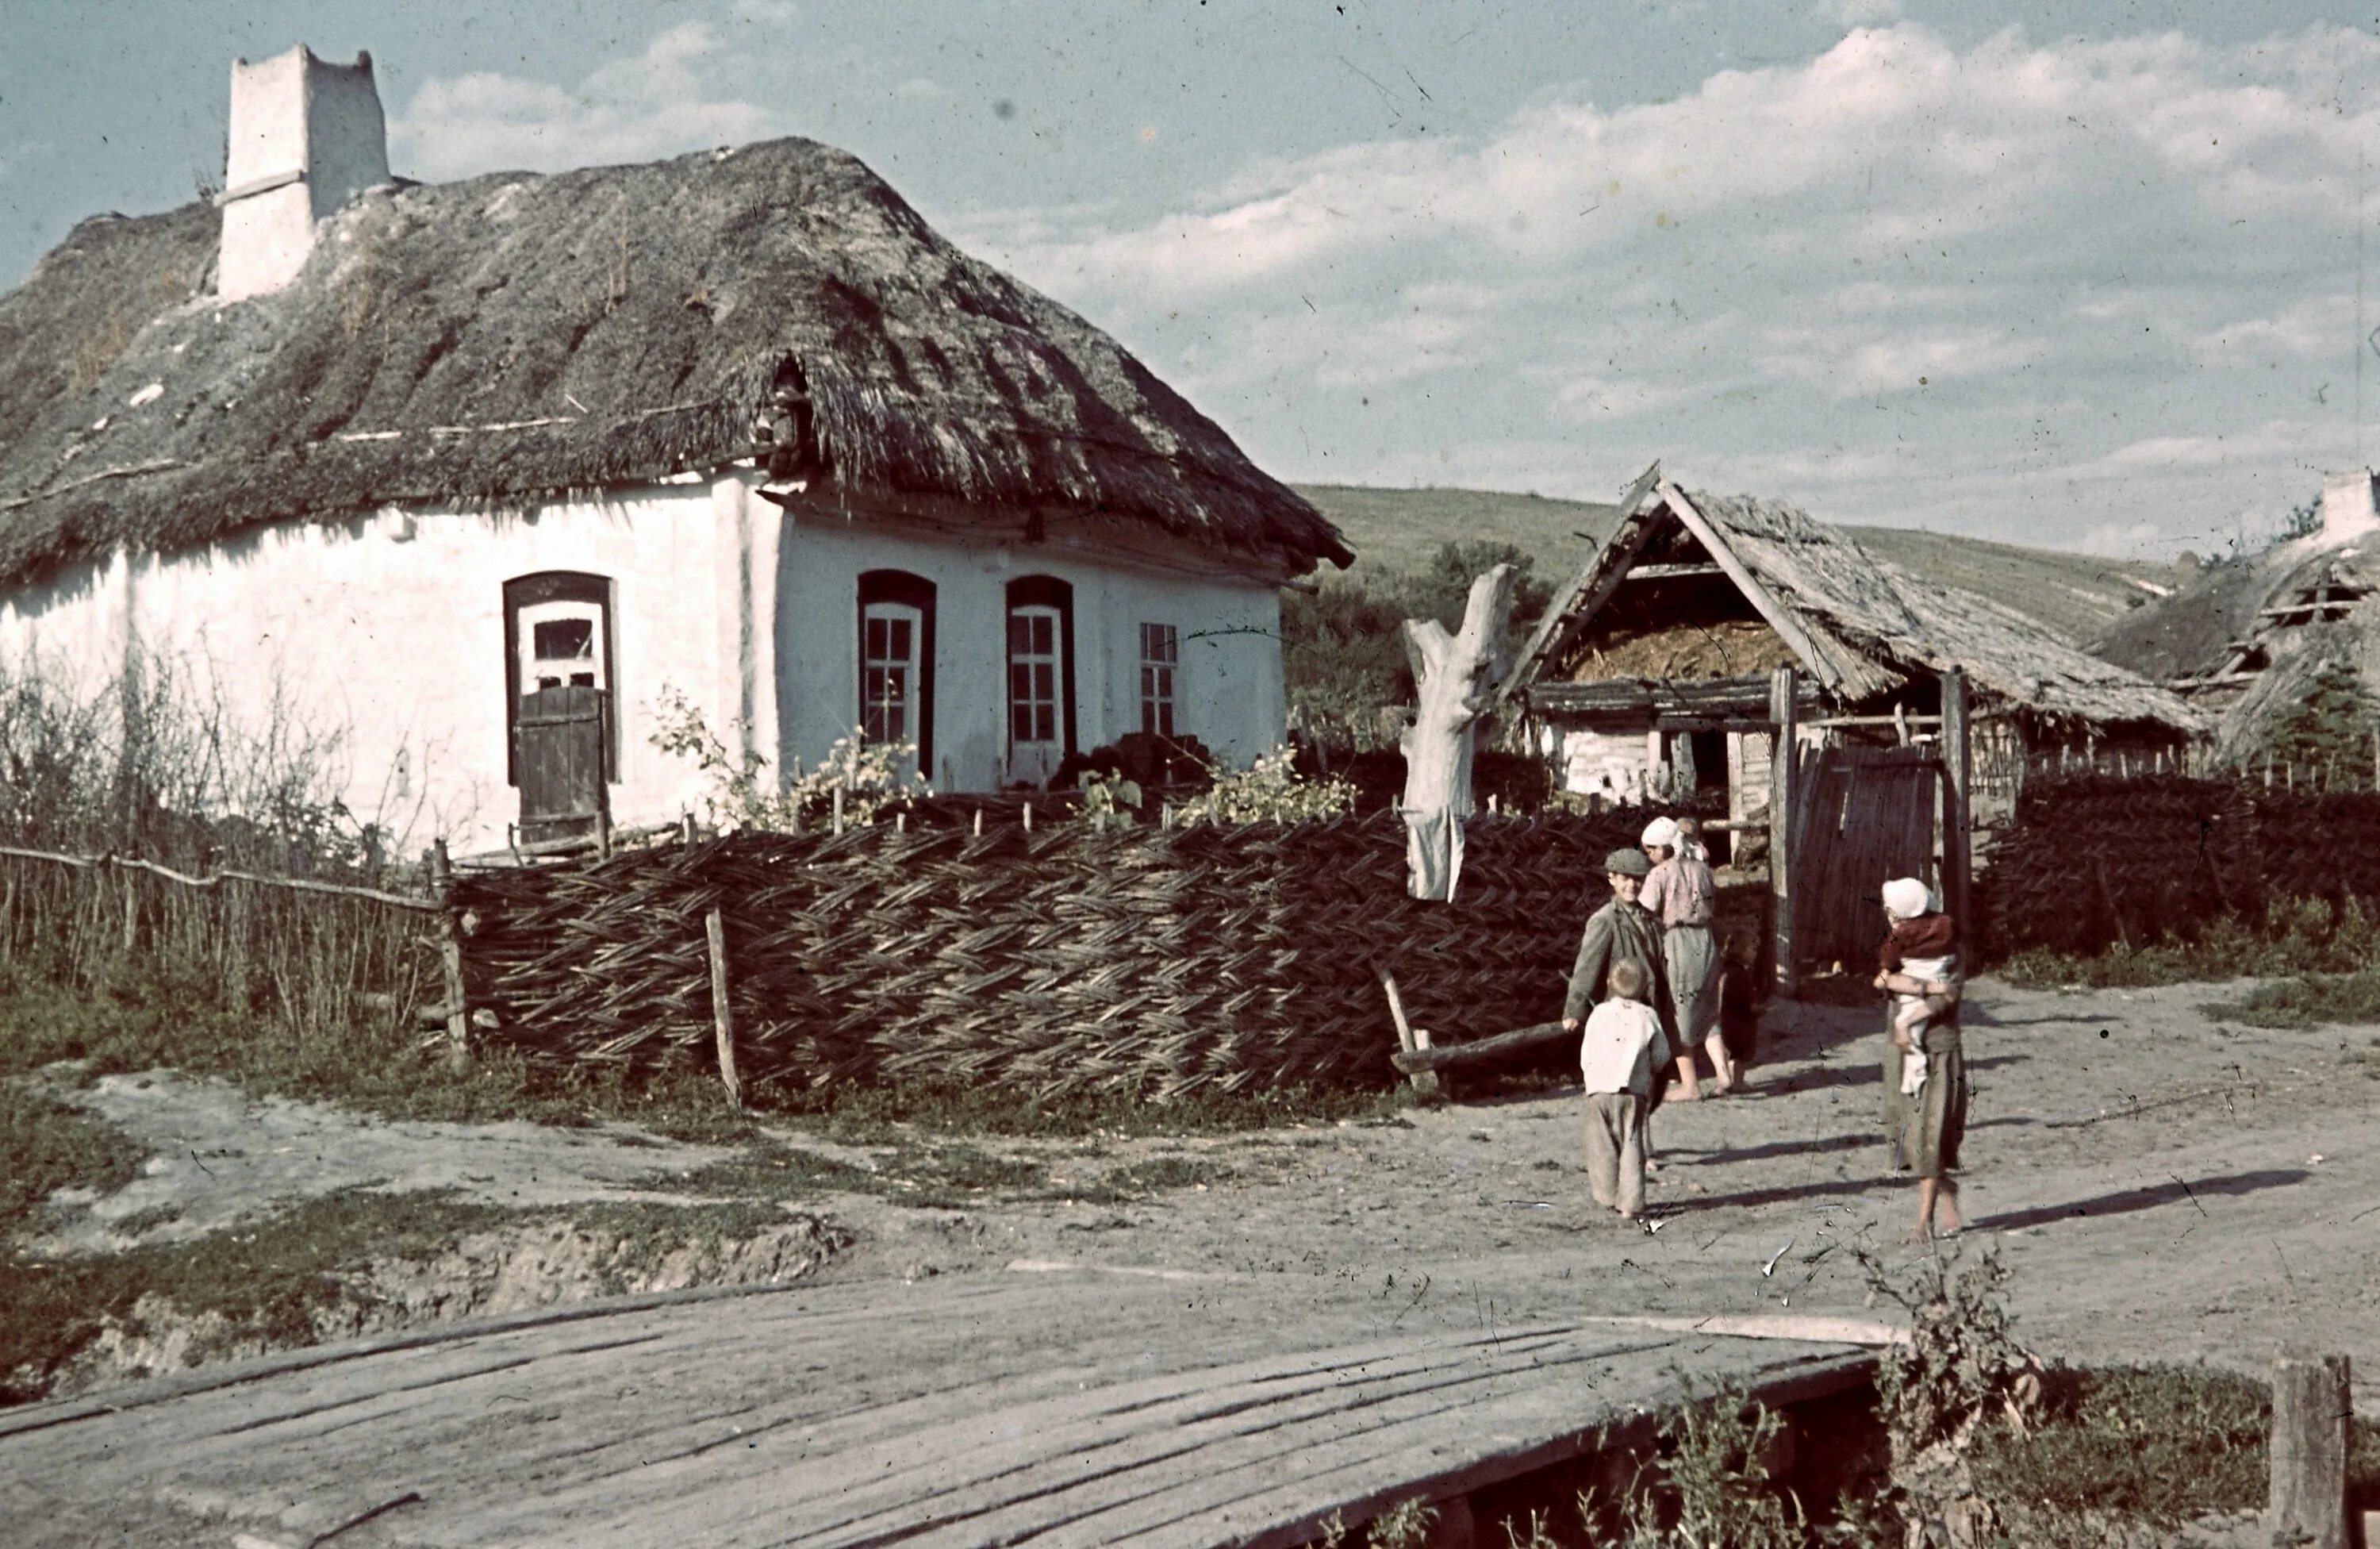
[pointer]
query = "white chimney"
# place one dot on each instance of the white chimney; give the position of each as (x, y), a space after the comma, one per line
(305, 138)
(2348, 510)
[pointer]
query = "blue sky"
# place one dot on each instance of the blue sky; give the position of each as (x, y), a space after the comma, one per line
(2083, 275)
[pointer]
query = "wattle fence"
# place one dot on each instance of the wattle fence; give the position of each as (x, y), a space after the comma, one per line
(1071, 958)
(2096, 862)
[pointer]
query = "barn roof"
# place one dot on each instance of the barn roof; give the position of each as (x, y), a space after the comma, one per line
(1864, 627)
(515, 337)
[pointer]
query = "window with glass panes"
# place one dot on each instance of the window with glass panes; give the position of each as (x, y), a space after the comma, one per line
(888, 672)
(1160, 657)
(1033, 705)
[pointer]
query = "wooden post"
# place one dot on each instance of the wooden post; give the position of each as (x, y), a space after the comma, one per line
(131, 914)
(1783, 762)
(978, 822)
(686, 828)
(722, 1016)
(1958, 823)
(838, 809)
(2312, 1413)
(450, 958)
(1028, 816)
(1424, 1082)
(1454, 676)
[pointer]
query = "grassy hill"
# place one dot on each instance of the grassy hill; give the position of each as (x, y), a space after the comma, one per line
(2075, 596)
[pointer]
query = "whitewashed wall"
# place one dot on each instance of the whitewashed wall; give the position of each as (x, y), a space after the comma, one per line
(1229, 690)
(387, 633)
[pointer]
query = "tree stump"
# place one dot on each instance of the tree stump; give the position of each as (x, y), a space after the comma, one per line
(1453, 675)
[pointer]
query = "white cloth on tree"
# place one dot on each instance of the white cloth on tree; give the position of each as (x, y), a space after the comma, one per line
(1433, 853)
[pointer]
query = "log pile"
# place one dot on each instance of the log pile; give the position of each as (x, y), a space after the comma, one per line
(1064, 959)
(2098, 861)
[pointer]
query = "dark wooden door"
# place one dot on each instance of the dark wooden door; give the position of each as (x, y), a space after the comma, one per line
(1865, 816)
(560, 759)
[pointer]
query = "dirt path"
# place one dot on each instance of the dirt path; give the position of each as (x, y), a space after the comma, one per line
(2213, 1227)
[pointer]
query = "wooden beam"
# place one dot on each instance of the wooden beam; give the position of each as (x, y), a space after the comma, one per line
(723, 1018)
(1782, 791)
(1958, 830)
(1480, 1051)
(1669, 572)
(1577, 602)
(1779, 617)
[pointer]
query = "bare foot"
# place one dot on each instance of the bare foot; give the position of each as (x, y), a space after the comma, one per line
(1688, 1092)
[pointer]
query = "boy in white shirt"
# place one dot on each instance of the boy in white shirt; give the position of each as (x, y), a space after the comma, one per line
(1615, 1061)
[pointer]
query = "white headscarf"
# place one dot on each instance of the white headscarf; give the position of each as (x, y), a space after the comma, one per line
(1662, 832)
(1906, 898)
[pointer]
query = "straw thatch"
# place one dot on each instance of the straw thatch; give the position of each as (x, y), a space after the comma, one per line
(1871, 627)
(2249, 638)
(513, 337)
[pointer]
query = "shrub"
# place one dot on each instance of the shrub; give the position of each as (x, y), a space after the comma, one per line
(1270, 790)
(873, 778)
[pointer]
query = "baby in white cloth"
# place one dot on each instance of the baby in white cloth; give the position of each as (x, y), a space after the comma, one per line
(1919, 964)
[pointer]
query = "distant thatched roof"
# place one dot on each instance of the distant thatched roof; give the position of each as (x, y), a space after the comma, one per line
(2248, 639)
(1864, 629)
(514, 336)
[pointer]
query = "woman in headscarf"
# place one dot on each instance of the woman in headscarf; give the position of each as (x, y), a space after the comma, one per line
(1925, 1066)
(1681, 892)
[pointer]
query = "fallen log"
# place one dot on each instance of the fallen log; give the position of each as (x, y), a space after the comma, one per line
(1480, 1051)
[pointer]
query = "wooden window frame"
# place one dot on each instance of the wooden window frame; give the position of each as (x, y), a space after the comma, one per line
(561, 586)
(1171, 666)
(900, 588)
(1042, 592)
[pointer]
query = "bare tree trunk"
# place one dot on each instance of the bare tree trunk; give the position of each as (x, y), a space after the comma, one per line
(1453, 676)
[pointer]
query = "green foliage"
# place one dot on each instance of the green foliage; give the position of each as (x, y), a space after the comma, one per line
(1403, 1526)
(2332, 724)
(2351, 999)
(2295, 936)
(2166, 1443)
(874, 778)
(46, 1145)
(1270, 790)
(1716, 1487)
(1105, 794)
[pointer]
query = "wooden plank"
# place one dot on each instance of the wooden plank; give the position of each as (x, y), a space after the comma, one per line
(1480, 1051)
(722, 1016)
(1958, 827)
(1578, 602)
(1782, 811)
(2313, 1413)
(1779, 617)
(1672, 572)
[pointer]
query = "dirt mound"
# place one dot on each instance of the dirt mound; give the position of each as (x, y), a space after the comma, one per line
(513, 1270)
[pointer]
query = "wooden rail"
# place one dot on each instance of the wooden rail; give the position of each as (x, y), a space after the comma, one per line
(208, 884)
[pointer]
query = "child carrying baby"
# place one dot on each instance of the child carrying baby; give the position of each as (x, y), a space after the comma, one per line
(1919, 964)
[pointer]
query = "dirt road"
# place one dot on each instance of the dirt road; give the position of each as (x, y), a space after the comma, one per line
(2228, 1200)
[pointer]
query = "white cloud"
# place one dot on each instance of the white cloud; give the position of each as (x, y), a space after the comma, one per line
(1979, 286)
(657, 103)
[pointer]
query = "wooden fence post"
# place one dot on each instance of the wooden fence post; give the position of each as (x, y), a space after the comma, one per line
(131, 913)
(2311, 1416)
(450, 958)
(1409, 1038)
(1958, 831)
(1782, 762)
(722, 1017)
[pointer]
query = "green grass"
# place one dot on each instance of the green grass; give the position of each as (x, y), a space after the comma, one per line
(46, 1145)
(2352, 998)
(2299, 936)
(2165, 1443)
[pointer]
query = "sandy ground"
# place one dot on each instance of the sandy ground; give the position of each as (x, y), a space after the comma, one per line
(2215, 1228)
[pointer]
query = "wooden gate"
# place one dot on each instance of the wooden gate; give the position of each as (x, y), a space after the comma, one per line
(1862, 817)
(562, 735)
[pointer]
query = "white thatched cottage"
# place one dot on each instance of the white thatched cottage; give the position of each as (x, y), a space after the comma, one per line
(475, 471)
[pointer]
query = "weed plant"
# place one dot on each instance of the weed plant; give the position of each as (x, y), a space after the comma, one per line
(2295, 937)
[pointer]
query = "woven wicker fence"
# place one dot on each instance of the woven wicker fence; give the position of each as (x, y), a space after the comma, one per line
(1070, 959)
(2096, 861)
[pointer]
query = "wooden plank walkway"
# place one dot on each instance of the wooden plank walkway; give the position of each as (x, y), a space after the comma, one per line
(1048, 1410)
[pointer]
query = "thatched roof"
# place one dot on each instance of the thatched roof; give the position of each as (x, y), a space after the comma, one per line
(1864, 628)
(2248, 639)
(515, 337)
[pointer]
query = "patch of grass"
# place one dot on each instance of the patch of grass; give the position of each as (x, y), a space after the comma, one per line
(133, 1022)
(2164, 1444)
(46, 1145)
(2313, 998)
(2296, 937)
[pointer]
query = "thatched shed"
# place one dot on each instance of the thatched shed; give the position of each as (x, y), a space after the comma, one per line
(1655, 668)
(2250, 640)
(715, 419)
